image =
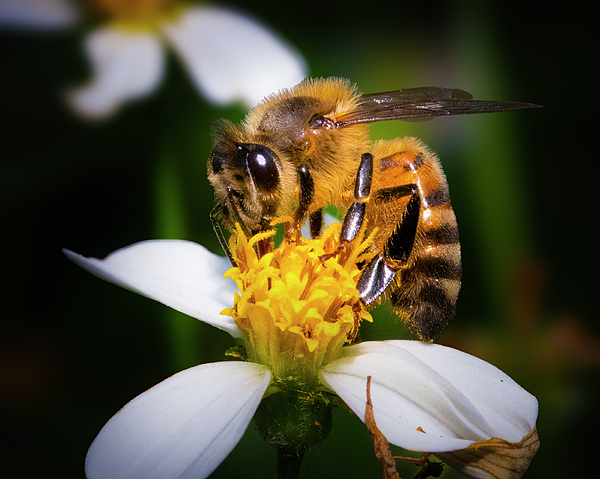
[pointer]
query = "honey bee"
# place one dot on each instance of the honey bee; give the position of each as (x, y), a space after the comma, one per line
(308, 147)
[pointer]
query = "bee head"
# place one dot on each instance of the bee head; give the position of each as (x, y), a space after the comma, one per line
(247, 178)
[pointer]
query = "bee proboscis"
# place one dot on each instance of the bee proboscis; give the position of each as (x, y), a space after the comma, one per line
(309, 146)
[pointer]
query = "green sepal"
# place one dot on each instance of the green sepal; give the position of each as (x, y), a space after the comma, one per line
(295, 420)
(237, 352)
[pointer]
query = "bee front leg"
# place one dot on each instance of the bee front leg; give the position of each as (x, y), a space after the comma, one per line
(307, 193)
(232, 210)
(381, 270)
(219, 232)
(316, 223)
(229, 209)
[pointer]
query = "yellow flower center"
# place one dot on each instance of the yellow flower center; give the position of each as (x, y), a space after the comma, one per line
(298, 304)
(136, 14)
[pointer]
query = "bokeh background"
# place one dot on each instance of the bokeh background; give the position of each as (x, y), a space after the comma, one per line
(74, 349)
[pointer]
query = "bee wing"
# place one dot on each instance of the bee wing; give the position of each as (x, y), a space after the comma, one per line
(421, 104)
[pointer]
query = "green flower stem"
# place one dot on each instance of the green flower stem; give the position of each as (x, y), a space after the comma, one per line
(294, 421)
(288, 462)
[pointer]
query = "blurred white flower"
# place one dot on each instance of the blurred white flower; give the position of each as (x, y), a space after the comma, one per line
(36, 14)
(229, 56)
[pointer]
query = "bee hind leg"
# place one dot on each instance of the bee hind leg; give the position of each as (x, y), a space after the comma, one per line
(381, 270)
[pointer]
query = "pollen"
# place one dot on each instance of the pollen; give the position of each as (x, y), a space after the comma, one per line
(298, 303)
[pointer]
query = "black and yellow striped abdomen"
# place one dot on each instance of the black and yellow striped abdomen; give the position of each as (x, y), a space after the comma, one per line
(425, 288)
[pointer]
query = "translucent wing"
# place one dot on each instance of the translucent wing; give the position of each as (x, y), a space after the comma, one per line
(420, 104)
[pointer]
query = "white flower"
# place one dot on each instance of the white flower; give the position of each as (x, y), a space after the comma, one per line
(229, 56)
(36, 14)
(426, 397)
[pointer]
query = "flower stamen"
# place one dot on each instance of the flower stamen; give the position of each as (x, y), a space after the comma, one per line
(298, 303)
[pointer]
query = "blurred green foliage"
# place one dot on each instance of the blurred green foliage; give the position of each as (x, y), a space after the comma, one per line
(75, 349)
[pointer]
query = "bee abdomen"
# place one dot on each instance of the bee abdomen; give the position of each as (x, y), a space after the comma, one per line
(446, 268)
(419, 244)
(441, 235)
(428, 305)
(427, 286)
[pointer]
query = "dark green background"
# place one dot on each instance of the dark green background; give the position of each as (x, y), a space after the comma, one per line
(74, 349)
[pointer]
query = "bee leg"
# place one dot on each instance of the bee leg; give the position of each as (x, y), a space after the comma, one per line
(232, 210)
(400, 244)
(219, 232)
(316, 223)
(307, 192)
(355, 215)
(381, 270)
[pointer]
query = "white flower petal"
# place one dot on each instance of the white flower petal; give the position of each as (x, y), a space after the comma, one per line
(181, 428)
(181, 274)
(411, 391)
(126, 65)
(232, 57)
(37, 14)
(508, 408)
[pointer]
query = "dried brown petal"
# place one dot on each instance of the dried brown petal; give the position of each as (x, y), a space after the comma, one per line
(495, 458)
(381, 444)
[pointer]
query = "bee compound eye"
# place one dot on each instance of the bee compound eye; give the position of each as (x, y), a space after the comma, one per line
(218, 161)
(262, 167)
